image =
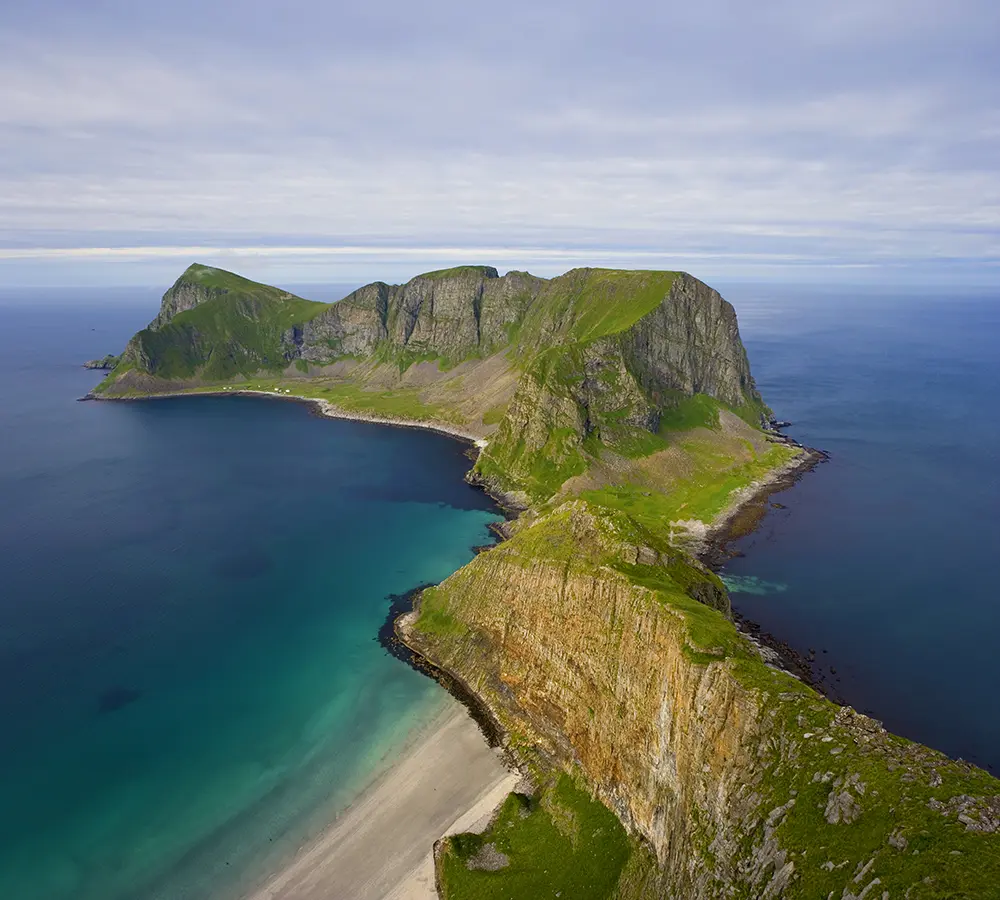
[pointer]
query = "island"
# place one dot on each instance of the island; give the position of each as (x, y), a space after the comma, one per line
(667, 753)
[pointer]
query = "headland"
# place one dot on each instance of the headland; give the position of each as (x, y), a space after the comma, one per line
(669, 755)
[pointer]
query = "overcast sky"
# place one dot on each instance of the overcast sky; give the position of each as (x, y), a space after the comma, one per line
(311, 140)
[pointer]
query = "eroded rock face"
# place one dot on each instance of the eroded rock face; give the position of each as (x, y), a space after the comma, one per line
(184, 295)
(592, 668)
(742, 781)
(691, 343)
(454, 315)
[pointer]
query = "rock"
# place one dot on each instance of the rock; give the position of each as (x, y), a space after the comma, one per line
(842, 806)
(106, 362)
(488, 859)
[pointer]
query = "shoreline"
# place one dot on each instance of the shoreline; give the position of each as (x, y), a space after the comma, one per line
(738, 520)
(323, 407)
(346, 859)
(510, 506)
(709, 545)
(447, 779)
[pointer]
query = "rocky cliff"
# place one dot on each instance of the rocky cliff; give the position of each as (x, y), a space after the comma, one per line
(583, 636)
(450, 315)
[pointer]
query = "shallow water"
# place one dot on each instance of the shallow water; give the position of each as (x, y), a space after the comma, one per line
(887, 550)
(189, 604)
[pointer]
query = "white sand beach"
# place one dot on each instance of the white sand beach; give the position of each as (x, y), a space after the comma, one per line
(449, 780)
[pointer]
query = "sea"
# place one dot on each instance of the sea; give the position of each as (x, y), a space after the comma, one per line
(880, 560)
(191, 589)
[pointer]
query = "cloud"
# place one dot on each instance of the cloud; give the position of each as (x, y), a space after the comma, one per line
(852, 134)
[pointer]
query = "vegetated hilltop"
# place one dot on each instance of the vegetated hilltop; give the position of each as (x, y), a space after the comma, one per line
(620, 415)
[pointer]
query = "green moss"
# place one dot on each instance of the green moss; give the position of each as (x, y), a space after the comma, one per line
(561, 843)
(682, 412)
(220, 279)
(435, 619)
(404, 358)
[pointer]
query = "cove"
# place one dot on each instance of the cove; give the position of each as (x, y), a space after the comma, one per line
(191, 597)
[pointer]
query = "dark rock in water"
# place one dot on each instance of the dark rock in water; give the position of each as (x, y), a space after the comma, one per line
(115, 698)
(107, 362)
(243, 566)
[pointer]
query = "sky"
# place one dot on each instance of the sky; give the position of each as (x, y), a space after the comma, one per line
(320, 141)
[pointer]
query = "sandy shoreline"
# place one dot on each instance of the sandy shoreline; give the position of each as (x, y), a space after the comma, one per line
(380, 847)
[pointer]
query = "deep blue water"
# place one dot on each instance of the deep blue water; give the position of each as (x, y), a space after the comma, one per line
(190, 594)
(884, 556)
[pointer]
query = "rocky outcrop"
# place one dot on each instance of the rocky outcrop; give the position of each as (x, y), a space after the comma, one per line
(691, 343)
(592, 376)
(106, 362)
(451, 315)
(743, 781)
(185, 294)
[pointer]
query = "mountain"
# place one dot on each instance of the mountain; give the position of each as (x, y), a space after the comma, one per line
(616, 411)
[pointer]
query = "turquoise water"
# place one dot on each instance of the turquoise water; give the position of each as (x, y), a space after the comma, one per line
(189, 604)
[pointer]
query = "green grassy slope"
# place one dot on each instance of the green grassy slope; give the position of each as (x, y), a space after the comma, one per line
(561, 841)
(586, 304)
(238, 330)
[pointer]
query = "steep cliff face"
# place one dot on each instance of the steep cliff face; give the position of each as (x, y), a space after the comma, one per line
(583, 636)
(605, 354)
(214, 325)
(451, 315)
(691, 343)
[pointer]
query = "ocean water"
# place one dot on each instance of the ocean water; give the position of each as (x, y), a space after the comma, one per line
(190, 593)
(883, 559)
(190, 589)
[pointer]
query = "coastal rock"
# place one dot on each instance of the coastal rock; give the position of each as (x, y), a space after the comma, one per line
(718, 763)
(105, 362)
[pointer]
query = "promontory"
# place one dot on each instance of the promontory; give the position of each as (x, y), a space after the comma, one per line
(670, 756)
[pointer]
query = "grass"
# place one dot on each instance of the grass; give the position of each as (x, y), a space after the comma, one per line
(494, 414)
(701, 495)
(686, 412)
(401, 403)
(220, 279)
(240, 332)
(560, 843)
(586, 304)
(404, 358)
(435, 619)
(459, 271)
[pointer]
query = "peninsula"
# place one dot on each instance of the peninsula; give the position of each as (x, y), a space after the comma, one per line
(616, 414)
